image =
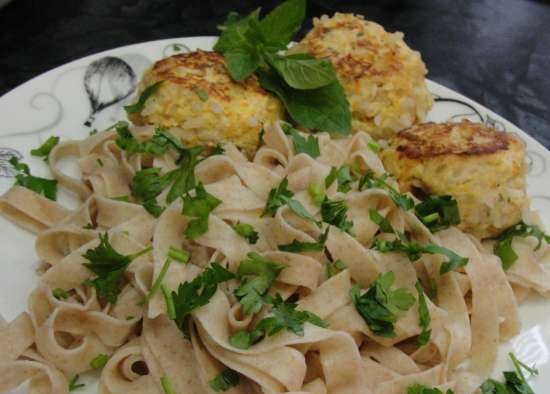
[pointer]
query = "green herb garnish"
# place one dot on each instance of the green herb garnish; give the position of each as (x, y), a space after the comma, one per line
(246, 231)
(256, 274)
(99, 361)
(109, 266)
(317, 193)
(344, 177)
(335, 268)
(421, 389)
(515, 381)
(60, 294)
(307, 86)
(369, 180)
(198, 206)
(145, 95)
(297, 247)
(167, 385)
(203, 94)
(46, 187)
(194, 294)
(381, 221)
(503, 246)
(224, 380)
(284, 315)
(277, 198)
(74, 385)
(438, 212)
(180, 255)
(424, 318)
(380, 306)
(335, 213)
(309, 145)
(45, 149)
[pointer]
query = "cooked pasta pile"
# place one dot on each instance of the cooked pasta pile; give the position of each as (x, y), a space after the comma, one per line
(297, 290)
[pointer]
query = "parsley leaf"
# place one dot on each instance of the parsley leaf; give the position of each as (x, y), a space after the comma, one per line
(335, 268)
(317, 193)
(296, 246)
(335, 213)
(180, 255)
(246, 230)
(414, 251)
(277, 198)
(145, 95)
(424, 318)
(308, 146)
(503, 246)
(515, 381)
(369, 180)
(194, 294)
(109, 266)
(284, 315)
(224, 380)
(297, 207)
(379, 305)
(198, 206)
(45, 149)
(438, 212)
(184, 175)
(99, 361)
(381, 221)
(256, 274)
(421, 389)
(74, 385)
(60, 294)
(46, 187)
(343, 175)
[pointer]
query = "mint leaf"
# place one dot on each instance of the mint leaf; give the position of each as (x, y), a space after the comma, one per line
(279, 26)
(325, 108)
(145, 95)
(303, 71)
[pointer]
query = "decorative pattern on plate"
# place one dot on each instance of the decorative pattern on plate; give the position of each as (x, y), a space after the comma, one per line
(6, 169)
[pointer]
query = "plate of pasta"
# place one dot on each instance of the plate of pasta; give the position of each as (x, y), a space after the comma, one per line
(247, 214)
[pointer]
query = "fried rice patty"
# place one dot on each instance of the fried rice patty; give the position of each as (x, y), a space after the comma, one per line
(383, 78)
(198, 96)
(482, 168)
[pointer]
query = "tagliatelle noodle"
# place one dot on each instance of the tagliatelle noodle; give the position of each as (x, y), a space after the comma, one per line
(474, 309)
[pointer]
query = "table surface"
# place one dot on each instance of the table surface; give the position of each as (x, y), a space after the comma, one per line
(496, 52)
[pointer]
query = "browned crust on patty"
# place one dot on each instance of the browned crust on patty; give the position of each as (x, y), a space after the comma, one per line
(460, 138)
(188, 70)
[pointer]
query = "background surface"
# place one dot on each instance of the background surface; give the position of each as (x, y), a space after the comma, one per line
(496, 52)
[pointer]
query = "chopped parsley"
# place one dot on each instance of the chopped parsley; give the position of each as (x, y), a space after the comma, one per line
(438, 212)
(297, 247)
(344, 177)
(380, 306)
(256, 274)
(60, 294)
(284, 315)
(74, 385)
(218, 150)
(45, 149)
(198, 206)
(335, 213)
(297, 207)
(194, 294)
(145, 95)
(503, 246)
(246, 231)
(424, 318)
(167, 385)
(109, 266)
(421, 389)
(277, 198)
(369, 180)
(155, 146)
(224, 380)
(381, 221)
(180, 255)
(515, 381)
(317, 193)
(309, 145)
(374, 146)
(46, 187)
(202, 94)
(99, 361)
(158, 282)
(335, 268)
(121, 198)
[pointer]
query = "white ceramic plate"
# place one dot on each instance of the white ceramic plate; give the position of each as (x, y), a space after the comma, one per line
(89, 93)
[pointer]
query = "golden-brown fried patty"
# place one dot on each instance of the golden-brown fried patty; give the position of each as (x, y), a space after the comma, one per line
(482, 168)
(199, 97)
(383, 78)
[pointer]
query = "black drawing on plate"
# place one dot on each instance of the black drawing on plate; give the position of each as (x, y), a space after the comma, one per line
(107, 81)
(6, 169)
